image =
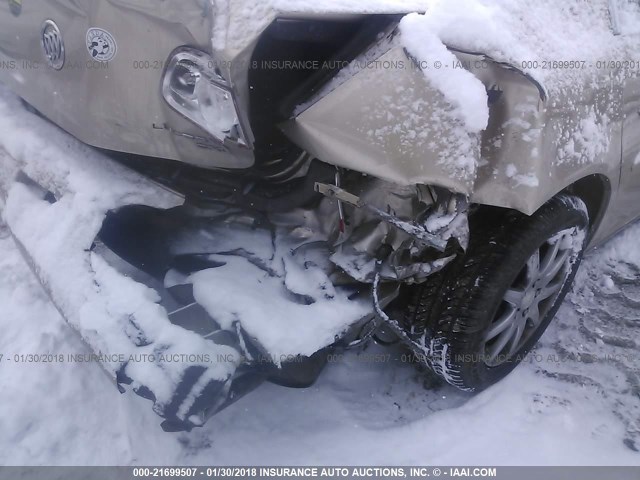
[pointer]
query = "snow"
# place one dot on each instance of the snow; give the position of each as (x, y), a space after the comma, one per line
(586, 142)
(65, 166)
(466, 113)
(528, 179)
(364, 409)
(563, 46)
(283, 268)
(295, 309)
(460, 87)
(521, 33)
(627, 12)
(113, 314)
(578, 389)
(516, 32)
(283, 325)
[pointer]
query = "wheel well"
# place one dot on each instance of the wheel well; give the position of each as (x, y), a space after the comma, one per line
(595, 192)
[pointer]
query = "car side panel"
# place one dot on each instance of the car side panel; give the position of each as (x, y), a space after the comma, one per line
(627, 201)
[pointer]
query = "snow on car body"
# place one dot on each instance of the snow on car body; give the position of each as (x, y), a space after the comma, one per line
(380, 130)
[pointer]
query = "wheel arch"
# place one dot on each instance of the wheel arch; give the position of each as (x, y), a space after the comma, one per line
(595, 191)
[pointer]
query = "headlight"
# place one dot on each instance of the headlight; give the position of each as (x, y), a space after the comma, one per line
(193, 87)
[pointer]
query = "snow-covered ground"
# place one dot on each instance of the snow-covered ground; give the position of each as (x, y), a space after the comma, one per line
(571, 411)
(575, 402)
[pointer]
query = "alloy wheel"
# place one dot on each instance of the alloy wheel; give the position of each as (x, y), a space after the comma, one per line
(532, 295)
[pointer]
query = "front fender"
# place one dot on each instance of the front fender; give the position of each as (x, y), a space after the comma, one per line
(539, 142)
(387, 121)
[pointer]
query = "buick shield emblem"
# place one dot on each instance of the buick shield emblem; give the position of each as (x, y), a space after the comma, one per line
(52, 45)
(101, 45)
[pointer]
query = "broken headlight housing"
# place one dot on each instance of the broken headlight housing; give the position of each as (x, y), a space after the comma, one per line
(194, 87)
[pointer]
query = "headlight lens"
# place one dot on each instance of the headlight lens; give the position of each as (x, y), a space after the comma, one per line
(193, 87)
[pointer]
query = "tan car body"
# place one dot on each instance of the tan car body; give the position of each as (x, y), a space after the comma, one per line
(119, 107)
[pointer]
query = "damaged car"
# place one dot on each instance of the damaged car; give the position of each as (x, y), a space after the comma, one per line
(269, 183)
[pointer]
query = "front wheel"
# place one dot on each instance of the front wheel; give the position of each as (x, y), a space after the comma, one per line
(478, 318)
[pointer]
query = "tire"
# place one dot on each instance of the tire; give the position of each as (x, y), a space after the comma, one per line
(455, 313)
